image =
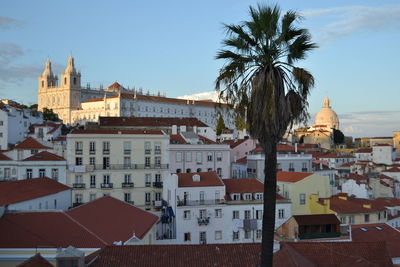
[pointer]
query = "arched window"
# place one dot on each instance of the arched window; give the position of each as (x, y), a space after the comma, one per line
(74, 80)
(65, 80)
(42, 84)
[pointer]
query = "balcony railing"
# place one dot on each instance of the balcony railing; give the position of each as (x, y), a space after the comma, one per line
(157, 151)
(148, 203)
(148, 184)
(78, 151)
(90, 168)
(79, 185)
(109, 185)
(157, 203)
(127, 151)
(128, 185)
(201, 202)
(147, 151)
(158, 184)
(76, 204)
(203, 221)
(106, 151)
(92, 152)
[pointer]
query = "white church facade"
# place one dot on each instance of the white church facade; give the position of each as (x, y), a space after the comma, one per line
(76, 104)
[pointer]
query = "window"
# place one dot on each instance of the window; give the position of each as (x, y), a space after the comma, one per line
(247, 234)
(235, 214)
(209, 156)
(92, 161)
(217, 195)
(281, 213)
(106, 179)
(218, 213)
(34, 151)
(188, 170)
(366, 217)
(42, 173)
(304, 167)
(247, 196)
(199, 157)
(247, 214)
(209, 169)
(127, 197)
(157, 177)
(106, 147)
(235, 196)
(343, 219)
(78, 148)
(259, 214)
(147, 147)
(127, 178)
(219, 156)
(78, 198)
(92, 181)
(157, 196)
(236, 236)
(106, 163)
(157, 161)
(147, 162)
(258, 234)
(188, 156)
(202, 196)
(92, 197)
(198, 170)
(219, 172)
(351, 219)
(186, 215)
(157, 148)
(178, 170)
(147, 179)
(178, 156)
(186, 237)
(279, 167)
(218, 235)
(127, 162)
(127, 147)
(28, 173)
(259, 196)
(54, 174)
(147, 198)
(78, 161)
(202, 236)
(302, 199)
(55, 203)
(92, 147)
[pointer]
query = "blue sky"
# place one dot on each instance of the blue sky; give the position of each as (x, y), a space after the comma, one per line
(169, 46)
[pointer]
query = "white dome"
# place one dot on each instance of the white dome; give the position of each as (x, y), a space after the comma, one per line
(326, 116)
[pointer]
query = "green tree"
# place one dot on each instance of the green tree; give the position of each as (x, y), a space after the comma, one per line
(259, 59)
(338, 137)
(49, 115)
(34, 106)
(220, 125)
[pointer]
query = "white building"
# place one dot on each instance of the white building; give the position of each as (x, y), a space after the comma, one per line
(209, 209)
(383, 154)
(364, 153)
(129, 165)
(34, 195)
(189, 152)
(73, 103)
(14, 124)
(47, 131)
(31, 159)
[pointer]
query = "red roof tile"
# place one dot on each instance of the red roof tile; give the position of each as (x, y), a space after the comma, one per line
(115, 85)
(115, 131)
(4, 157)
(234, 143)
(245, 185)
(364, 150)
(242, 160)
(316, 219)
(44, 229)
(206, 179)
(206, 141)
(149, 122)
(113, 220)
(177, 139)
(394, 169)
(36, 261)
(44, 156)
(378, 232)
(18, 191)
(292, 177)
(353, 205)
(30, 143)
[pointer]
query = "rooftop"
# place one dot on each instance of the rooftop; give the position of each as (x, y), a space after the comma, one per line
(44, 156)
(31, 143)
(23, 190)
(206, 179)
(292, 177)
(115, 131)
(316, 219)
(150, 122)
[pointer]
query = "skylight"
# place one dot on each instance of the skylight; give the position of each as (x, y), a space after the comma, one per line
(363, 229)
(379, 228)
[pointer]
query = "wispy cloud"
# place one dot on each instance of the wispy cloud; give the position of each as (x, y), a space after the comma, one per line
(7, 22)
(212, 95)
(347, 20)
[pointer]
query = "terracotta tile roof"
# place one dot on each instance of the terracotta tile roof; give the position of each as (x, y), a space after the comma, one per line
(352, 205)
(357, 177)
(115, 131)
(206, 179)
(113, 220)
(285, 148)
(22, 190)
(234, 143)
(44, 156)
(292, 177)
(242, 160)
(179, 255)
(177, 139)
(30, 143)
(348, 164)
(364, 150)
(382, 176)
(378, 232)
(4, 157)
(394, 169)
(332, 254)
(316, 219)
(150, 122)
(245, 185)
(115, 85)
(206, 141)
(44, 229)
(36, 261)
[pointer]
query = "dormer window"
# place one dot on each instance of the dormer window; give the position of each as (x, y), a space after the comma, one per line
(235, 196)
(259, 196)
(247, 196)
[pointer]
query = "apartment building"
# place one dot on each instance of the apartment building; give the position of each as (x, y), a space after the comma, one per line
(129, 165)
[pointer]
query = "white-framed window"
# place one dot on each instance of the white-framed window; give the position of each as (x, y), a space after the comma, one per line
(186, 214)
(147, 147)
(106, 179)
(247, 196)
(157, 162)
(28, 173)
(178, 156)
(247, 214)
(54, 174)
(259, 196)
(259, 214)
(106, 147)
(127, 162)
(202, 235)
(127, 197)
(258, 234)
(92, 181)
(302, 199)
(157, 148)
(42, 173)
(78, 161)
(203, 213)
(235, 196)
(236, 236)
(186, 237)
(188, 156)
(219, 172)
(127, 147)
(209, 156)
(147, 179)
(281, 213)
(219, 156)
(78, 147)
(218, 235)
(147, 161)
(199, 157)
(92, 161)
(78, 198)
(147, 197)
(351, 219)
(92, 196)
(92, 147)
(247, 234)
(127, 178)
(235, 214)
(218, 213)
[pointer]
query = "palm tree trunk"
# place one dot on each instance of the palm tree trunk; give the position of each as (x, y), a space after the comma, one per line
(268, 227)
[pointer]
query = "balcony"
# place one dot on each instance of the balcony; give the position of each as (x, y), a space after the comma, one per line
(109, 185)
(147, 151)
(128, 185)
(157, 151)
(203, 221)
(130, 202)
(201, 202)
(79, 185)
(106, 152)
(78, 151)
(157, 203)
(90, 168)
(93, 186)
(76, 204)
(148, 184)
(92, 152)
(250, 224)
(147, 203)
(158, 184)
(127, 151)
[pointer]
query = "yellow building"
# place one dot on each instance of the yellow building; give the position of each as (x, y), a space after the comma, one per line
(300, 186)
(349, 210)
(396, 140)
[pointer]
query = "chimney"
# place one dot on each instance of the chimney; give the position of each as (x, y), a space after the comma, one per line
(295, 147)
(174, 129)
(196, 178)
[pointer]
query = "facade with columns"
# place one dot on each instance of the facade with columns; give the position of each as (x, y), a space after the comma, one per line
(75, 104)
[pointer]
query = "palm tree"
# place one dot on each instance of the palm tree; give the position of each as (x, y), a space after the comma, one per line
(259, 55)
